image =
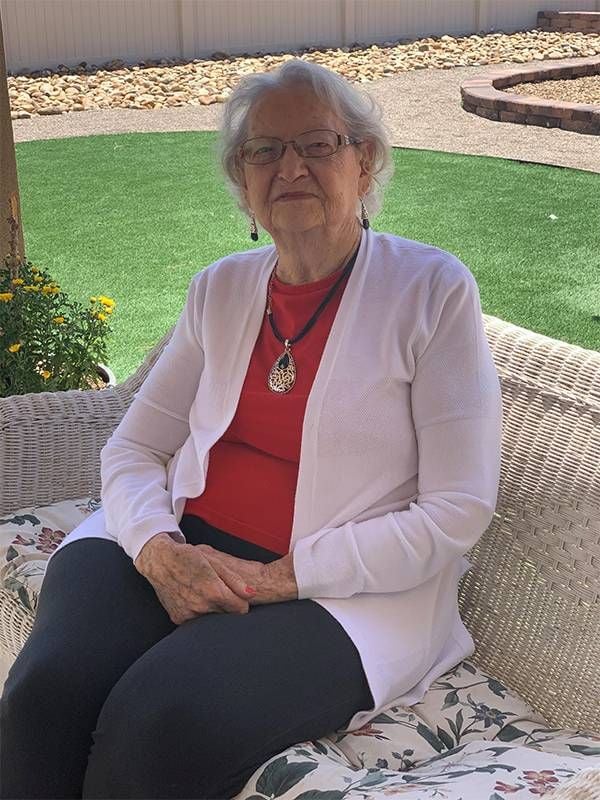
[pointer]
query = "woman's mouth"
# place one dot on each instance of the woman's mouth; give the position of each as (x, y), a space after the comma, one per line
(294, 196)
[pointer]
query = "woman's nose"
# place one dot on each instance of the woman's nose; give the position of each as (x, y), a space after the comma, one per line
(291, 166)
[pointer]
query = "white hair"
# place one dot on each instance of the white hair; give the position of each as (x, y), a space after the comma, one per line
(357, 109)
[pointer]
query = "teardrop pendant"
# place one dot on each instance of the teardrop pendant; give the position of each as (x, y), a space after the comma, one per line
(283, 372)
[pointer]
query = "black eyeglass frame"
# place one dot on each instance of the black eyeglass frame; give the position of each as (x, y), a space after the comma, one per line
(342, 140)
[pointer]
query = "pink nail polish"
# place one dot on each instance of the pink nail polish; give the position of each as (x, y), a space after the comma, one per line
(250, 589)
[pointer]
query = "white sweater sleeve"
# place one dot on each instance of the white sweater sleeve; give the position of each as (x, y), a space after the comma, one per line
(134, 460)
(457, 415)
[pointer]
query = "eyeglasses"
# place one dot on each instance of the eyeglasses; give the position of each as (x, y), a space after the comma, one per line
(311, 144)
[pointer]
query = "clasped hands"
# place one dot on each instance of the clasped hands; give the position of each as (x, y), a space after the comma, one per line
(191, 580)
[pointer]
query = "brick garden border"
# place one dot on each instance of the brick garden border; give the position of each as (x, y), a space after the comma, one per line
(565, 21)
(483, 96)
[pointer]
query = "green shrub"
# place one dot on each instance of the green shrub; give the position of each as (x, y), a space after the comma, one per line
(47, 342)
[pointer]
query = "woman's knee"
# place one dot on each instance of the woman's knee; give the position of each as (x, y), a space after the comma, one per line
(174, 742)
(151, 707)
(28, 683)
(137, 719)
(47, 712)
(44, 707)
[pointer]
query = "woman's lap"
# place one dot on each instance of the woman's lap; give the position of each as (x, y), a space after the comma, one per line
(204, 707)
(187, 710)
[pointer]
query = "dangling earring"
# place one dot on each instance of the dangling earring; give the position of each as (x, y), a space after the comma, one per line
(364, 217)
(253, 228)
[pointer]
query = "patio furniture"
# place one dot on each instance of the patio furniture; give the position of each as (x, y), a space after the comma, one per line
(524, 712)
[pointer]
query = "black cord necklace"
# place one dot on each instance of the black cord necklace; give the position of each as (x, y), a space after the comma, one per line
(282, 376)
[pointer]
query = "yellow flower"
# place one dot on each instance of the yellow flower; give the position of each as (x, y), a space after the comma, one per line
(58, 320)
(14, 348)
(38, 279)
(93, 299)
(48, 289)
(45, 374)
(31, 288)
(35, 270)
(17, 281)
(106, 301)
(6, 297)
(101, 316)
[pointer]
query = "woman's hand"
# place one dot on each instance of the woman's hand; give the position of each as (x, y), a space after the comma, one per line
(275, 582)
(189, 584)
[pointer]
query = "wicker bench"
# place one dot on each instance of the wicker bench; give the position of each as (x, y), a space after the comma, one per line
(532, 600)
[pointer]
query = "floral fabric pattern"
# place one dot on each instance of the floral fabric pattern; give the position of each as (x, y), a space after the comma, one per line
(27, 540)
(470, 738)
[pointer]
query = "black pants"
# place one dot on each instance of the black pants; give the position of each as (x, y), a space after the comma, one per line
(109, 699)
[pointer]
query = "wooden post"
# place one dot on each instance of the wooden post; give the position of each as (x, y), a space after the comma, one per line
(11, 231)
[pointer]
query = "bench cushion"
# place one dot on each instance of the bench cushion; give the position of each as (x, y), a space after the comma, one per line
(470, 738)
(480, 770)
(29, 536)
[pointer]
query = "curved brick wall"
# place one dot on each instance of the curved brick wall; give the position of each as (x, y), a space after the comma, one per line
(581, 21)
(484, 96)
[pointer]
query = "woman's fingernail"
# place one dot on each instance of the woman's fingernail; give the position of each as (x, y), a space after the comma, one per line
(250, 589)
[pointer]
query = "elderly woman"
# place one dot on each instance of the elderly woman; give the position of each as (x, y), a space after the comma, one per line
(289, 498)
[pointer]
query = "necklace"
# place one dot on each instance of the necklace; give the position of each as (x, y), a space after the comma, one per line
(282, 376)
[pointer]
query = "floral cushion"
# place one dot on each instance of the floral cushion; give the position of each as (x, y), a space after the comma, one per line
(470, 738)
(28, 538)
(476, 771)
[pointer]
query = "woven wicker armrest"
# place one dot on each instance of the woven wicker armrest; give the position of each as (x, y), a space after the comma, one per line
(532, 599)
(50, 442)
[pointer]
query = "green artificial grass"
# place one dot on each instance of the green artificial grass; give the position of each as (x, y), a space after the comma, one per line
(135, 216)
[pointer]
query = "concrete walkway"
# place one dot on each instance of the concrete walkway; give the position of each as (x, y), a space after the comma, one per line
(421, 109)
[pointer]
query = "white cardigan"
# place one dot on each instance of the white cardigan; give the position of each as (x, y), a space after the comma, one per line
(400, 453)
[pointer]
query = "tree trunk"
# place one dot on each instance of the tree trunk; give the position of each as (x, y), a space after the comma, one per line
(11, 240)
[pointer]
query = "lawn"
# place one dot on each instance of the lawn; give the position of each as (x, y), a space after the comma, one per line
(135, 216)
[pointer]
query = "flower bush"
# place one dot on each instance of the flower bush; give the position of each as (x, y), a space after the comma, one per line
(47, 342)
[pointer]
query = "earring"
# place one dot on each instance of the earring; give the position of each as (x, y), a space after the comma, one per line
(253, 228)
(364, 217)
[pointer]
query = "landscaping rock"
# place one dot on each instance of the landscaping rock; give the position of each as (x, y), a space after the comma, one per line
(167, 83)
(574, 90)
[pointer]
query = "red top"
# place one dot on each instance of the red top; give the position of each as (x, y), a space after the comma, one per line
(253, 468)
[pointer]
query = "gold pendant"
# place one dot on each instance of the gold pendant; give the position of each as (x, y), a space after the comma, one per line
(283, 372)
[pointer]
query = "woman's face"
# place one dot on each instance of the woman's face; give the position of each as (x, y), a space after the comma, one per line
(297, 194)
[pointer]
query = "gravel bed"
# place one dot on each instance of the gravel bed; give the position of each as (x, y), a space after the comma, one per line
(571, 90)
(171, 83)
